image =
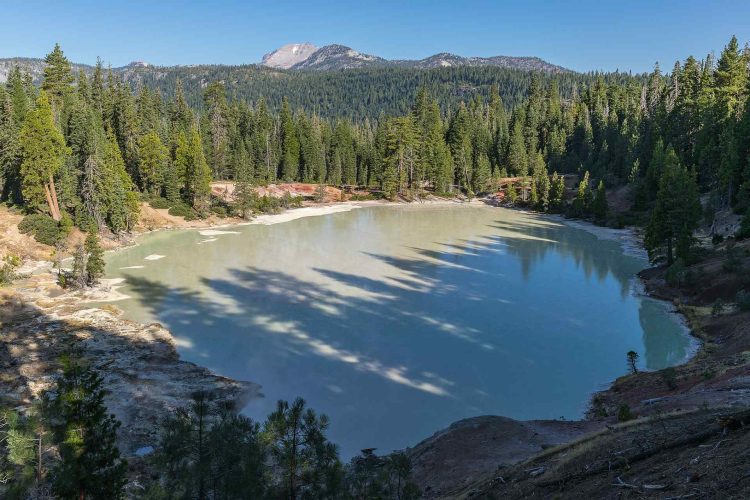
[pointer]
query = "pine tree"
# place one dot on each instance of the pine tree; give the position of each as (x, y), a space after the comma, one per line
(152, 163)
(58, 76)
(543, 188)
(599, 205)
(516, 158)
(557, 192)
(676, 214)
(90, 464)
(95, 258)
(582, 201)
(245, 197)
(43, 152)
(511, 195)
(399, 155)
(290, 155)
(24, 450)
(731, 80)
(198, 185)
(217, 129)
(180, 114)
(207, 450)
(10, 152)
(480, 178)
(308, 463)
(122, 202)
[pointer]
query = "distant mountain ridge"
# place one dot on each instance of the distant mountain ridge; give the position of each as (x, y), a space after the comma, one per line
(308, 57)
(35, 67)
(336, 57)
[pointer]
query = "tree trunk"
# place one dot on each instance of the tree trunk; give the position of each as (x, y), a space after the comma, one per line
(53, 192)
(50, 203)
(39, 460)
(669, 252)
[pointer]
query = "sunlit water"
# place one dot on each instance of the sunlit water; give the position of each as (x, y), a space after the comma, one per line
(397, 321)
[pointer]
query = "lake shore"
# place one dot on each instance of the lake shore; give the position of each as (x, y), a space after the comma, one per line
(146, 355)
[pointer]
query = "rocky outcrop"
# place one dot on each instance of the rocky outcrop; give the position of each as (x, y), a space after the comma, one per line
(140, 366)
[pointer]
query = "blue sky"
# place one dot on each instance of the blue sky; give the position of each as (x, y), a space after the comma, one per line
(581, 35)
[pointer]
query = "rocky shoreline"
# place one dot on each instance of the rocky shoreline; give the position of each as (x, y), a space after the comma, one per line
(142, 371)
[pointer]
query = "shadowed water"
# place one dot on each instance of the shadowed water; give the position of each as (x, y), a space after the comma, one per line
(397, 321)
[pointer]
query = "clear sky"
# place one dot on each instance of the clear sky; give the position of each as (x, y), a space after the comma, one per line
(582, 35)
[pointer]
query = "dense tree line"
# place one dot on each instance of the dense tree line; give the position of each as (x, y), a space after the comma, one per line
(85, 148)
(356, 94)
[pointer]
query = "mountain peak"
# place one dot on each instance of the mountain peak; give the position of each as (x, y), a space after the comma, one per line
(288, 55)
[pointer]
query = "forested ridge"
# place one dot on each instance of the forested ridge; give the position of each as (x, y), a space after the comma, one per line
(356, 93)
(338, 93)
(84, 149)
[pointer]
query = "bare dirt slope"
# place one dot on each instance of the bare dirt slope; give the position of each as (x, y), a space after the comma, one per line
(13, 242)
(471, 449)
(703, 454)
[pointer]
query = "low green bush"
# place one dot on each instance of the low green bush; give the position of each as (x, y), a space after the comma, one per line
(362, 197)
(669, 377)
(44, 228)
(8, 269)
(160, 203)
(219, 210)
(624, 413)
(182, 210)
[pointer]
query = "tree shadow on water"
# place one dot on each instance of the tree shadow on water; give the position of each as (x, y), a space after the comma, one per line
(410, 348)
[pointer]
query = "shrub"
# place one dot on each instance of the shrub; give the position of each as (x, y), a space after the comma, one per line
(43, 228)
(8, 269)
(680, 275)
(669, 376)
(597, 407)
(219, 210)
(267, 204)
(743, 300)
(624, 413)
(718, 307)
(717, 238)
(182, 210)
(289, 201)
(362, 197)
(160, 203)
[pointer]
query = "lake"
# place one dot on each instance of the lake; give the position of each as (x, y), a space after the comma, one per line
(396, 321)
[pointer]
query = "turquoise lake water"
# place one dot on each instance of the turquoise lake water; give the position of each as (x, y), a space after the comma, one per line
(397, 321)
